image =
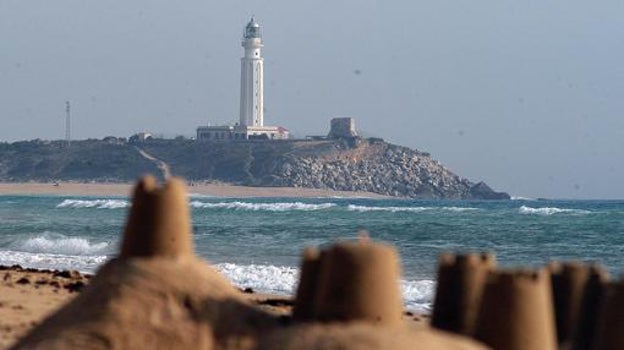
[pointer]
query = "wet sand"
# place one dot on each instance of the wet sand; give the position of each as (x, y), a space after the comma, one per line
(207, 189)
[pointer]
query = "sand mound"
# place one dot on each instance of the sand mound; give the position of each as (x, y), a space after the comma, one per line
(362, 336)
(152, 303)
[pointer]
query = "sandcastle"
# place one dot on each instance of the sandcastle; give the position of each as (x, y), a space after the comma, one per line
(566, 305)
(577, 293)
(158, 295)
(568, 284)
(351, 281)
(517, 311)
(591, 307)
(610, 328)
(461, 279)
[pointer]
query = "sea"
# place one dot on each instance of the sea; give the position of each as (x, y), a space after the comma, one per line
(257, 242)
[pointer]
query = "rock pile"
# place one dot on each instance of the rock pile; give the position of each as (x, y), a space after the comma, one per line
(377, 167)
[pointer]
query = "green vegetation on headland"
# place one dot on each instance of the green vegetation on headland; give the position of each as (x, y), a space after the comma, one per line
(370, 165)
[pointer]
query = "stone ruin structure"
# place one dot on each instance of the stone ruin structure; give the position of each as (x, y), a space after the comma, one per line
(342, 128)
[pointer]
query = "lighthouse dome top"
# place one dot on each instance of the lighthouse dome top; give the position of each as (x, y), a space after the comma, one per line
(252, 30)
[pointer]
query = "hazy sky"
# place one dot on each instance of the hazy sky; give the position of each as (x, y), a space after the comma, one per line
(525, 95)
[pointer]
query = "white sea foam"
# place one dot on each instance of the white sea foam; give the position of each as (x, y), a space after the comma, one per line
(417, 295)
(50, 250)
(361, 208)
(52, 261)
(262, 206)
(264, 278)
(59, 244)
(459, 209)
(95, 203)
(519, 198)
(547, 211)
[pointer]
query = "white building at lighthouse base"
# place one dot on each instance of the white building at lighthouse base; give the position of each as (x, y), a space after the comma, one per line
(241, 133)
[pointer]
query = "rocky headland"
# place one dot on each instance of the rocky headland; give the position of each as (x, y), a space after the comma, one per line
(355, 164)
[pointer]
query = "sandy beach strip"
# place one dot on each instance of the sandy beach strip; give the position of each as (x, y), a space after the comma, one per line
(207, 189)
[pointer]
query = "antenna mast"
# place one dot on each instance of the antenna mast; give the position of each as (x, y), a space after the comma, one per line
(67, 123)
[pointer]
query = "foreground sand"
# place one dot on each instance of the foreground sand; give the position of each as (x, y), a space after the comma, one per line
(208, 189)
(27, 296)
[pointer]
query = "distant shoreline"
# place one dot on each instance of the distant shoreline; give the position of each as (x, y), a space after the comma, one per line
(207, 189)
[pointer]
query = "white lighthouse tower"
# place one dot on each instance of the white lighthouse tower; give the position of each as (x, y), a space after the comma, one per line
(252, 74)
(251, 125)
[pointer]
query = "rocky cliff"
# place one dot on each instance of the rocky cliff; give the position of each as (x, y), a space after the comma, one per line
(349, 165)
(377, 167)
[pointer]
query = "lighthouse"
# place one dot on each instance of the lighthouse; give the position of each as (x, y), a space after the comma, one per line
(252, 74)
(251, 123)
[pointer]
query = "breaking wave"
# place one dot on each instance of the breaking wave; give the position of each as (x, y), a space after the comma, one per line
(459, 209)
(520, 198)
(52, 261)
(417, 295)
(547, 211)
(95, 203)
(262, 206)
(360, 208)
(59, 244)
(55, 251)
(262, 278)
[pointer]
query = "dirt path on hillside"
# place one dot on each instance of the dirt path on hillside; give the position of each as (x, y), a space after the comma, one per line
(164, 167)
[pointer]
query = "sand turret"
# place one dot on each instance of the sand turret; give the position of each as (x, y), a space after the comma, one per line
(359, 281)
(517, 311)
(461, 279)
(308, 285)
(609, 333)
(577, 295)
(159, 223)
(593, 298)
(568, 284)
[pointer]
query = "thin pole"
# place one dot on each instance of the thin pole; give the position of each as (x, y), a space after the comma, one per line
(67, 123)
